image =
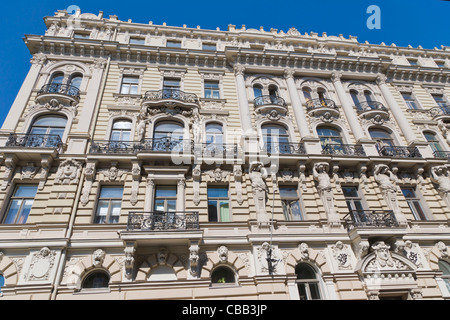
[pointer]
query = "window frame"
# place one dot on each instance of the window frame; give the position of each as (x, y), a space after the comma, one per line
(289, 216)
(165, 198)
(173, 44)
(308, 282)
(131, 85)
(11, 198)
(218, 201)
(359, 198)
(417, 199)
(107, 219)
(90, 274)
(230, 270)
(213, 91)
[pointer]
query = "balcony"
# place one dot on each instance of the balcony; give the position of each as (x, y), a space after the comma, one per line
(45, 141)
(67, 93)
(373, 110)
(170, 98)
(216, 150)
(114, 147)
(370, 219)
(284, 148)
(268, 103)
(163, 221)
(325, 108)
(167, 145)
(441, 112)
(399, 152)
(344, 150)
(442, 154)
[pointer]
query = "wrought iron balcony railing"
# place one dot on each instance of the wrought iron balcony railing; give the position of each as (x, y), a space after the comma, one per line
(370, 219)
(442, 110)
(58, 88)
(284, 148)
(442, 154)
(163, 221)
(367, 106)
(170, 94)
(214, 150)
(399, 151)
(344, 150)
(269, 100)
(112, 146)
(314, 104)
(167, 145)
(52, 141)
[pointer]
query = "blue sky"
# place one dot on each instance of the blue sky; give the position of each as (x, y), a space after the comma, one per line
(414, 22)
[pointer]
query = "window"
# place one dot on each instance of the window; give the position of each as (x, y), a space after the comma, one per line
(121, 130)
(433, 141)
(109, 204)
(212, 90)
(290, 203)
(307, 282)
(173, 44)
(214, 133)
(218, 204)
(441, 64)
(2, 283)
(222, 275)
(96, 280)
(440, 101)
(445, 268)
(368, 96)
(352, 198)
(329, 136)
(413, 62)
(168, 136)
(75, 81)
(57, 79)
(410, 101)
(257, 90)
(354, 95)
(165, 199)
(307, 94)
(383, 137)
(414, 203)
(209, 46)
(20, 204)
(171, 88)
(276, 138)
(81, 35)
(130, 85)
(137, 41)
(52, 127)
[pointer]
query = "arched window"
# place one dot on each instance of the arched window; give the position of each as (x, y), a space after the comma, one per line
(329, 136)
(257, 90)
(308, 283)
(307, 94)
(214, 133)
(47, 131)
(75, 80)
(168, 136)
(322, 96)
(433, 141)
(368, 95)
(121, 130)
(445, 268)
(222, 275)
(276, 138)
(57, 78)
(96, 280)
(383, 137)
(354, 95)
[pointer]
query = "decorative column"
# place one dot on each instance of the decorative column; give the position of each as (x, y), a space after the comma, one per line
(347, 107)
(402, 122)
(149, 192)
(24, 94)
(181, 187)
(297, 106)
(244, 110)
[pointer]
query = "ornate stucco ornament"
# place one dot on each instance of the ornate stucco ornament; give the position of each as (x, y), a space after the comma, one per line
(68, 172)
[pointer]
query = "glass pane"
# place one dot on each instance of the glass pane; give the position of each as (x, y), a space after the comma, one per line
(76, 82)
(286, 210)
(304, 271)
(408, 193)
(125, 89)
(288, 193)
(295, 210)
(168, 127)
(350, 192)
(2, 282)
(159, 205)
(307, 94)
(314, 290)
(57, 79)
(444, 267)
(130, 80)
(111, 192)
(133, 89)
(38, 131)
(419, 211)
(218, 192)
(257, 91)
(302, 291)
(115, 135)
(171, 205)
(51, 121)
(224, 211)
(212, 211)
(13, 211)
(23, 215)
(122, 124)
(26, 191)
(126, 136)
(166, 191)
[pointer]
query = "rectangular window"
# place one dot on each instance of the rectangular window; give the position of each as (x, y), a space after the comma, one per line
(290, 203)
(440, 100)
(130, 85)
(171, 84)
(414, 203)
(173, 44)
(109, 204)
(352, 198)
(80, 35)
(209, 46)
(218, 204)
(137, 41)
(212, 90)
(413, 62)
(165, 199)
(410, 101)
(20, 204)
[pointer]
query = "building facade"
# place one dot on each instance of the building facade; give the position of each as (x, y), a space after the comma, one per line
(144, 161)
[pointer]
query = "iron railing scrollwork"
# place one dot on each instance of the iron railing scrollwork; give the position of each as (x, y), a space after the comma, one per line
(163, 221)
(59, 88)
(284, 148)
(344, 149)
(371, 219)
(314, 104)
(157, 145)
(52, 141)
(399, 151)
(366, 106)
(216, 150)
(269, 100)
(442, 110)
(174, 94)
(442, 154)
(112, 146)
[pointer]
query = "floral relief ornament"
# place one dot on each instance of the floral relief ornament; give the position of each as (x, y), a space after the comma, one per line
(68, 172)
